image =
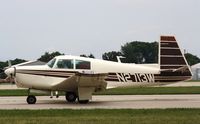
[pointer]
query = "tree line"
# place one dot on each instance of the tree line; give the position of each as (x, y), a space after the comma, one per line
(133, 52)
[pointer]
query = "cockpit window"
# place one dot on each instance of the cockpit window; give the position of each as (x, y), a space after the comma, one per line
(80, 64)
(65, 63)
(51, 63)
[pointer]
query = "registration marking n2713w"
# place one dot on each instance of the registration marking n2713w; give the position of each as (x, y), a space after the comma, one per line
(137, 77)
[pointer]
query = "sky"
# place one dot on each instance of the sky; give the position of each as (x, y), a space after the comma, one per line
(29, 28)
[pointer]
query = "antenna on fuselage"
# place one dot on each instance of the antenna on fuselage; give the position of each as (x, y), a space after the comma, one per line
(119, 58)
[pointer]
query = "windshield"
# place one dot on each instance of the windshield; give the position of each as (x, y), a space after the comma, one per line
(51, 63)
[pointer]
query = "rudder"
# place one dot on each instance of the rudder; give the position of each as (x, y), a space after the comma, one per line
(173, 65)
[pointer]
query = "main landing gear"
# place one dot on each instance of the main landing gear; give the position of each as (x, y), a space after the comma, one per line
(71, 97)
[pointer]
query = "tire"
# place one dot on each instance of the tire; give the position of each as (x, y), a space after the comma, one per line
(70, 96)
(31, 99)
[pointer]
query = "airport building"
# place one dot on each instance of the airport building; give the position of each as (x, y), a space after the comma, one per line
(196, 71)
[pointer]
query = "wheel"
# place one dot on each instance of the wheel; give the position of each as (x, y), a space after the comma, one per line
(83, 101)
(31, 99)
(70, 96)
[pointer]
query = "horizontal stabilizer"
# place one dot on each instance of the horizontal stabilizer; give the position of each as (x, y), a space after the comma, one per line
(181, 69)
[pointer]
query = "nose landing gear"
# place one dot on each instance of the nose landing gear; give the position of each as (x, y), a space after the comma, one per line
(31, 99)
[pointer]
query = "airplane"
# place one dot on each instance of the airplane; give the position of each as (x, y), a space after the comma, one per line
(80, 77)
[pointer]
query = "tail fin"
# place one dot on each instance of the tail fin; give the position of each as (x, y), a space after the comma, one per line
(172, 61)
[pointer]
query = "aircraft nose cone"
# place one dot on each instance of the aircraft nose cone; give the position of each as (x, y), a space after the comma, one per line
(10, 71)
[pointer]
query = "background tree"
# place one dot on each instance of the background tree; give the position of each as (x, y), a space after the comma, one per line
(87, 56)
(3, 65)
(192, 59)
(91, 55)
(16, 61)
(140, 52)
(48, 56)
(13, 62)
(111, 56)
(83, 55)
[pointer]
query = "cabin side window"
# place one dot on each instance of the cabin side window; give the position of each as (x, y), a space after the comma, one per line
(81, 64)
(51, 63)
(65, 64)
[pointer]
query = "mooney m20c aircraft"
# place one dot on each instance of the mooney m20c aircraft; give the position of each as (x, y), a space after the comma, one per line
(79, 77)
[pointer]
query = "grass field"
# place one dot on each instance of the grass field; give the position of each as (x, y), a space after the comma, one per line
(106, 116)
(151, 90)
(124, 91)
(101, 116)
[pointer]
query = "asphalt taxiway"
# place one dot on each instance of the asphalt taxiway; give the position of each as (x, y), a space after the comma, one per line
(106, 102)
(179, 84)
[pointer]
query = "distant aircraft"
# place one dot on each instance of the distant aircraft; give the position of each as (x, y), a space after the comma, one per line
(79, 77)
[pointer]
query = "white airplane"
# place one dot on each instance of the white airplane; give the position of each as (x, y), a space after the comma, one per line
(79, 77)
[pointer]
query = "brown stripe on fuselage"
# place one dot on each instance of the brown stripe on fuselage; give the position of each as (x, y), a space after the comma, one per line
(170, 67)
(163, 77)
(112, 73)
(170, 77)
(19, 70)
(108, 79)
(112, 77)
(175, 78)
(178, 73)
(51, 73)
(168, 80)
(62, 76)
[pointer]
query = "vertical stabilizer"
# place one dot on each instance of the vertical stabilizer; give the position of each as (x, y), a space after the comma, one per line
(172, 61)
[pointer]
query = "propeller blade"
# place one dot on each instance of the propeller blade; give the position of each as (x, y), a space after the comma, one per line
(9, 63)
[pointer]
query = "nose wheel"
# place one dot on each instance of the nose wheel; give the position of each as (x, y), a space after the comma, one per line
(31, 99)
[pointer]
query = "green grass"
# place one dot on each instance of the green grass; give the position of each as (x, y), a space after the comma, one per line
(193, 81)
(13, 92)
(101, 116)
(151, 90)
(123, 91)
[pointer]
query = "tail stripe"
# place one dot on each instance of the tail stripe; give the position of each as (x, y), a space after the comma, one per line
(172, 61)
(170, 51)
(167, 38)
(169, 44)
(171, 56)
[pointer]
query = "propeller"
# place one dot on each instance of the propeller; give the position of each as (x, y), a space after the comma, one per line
(9, 64)
(5, 76)
(8, 73)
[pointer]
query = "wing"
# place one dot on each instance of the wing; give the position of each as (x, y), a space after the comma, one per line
(96, 81)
